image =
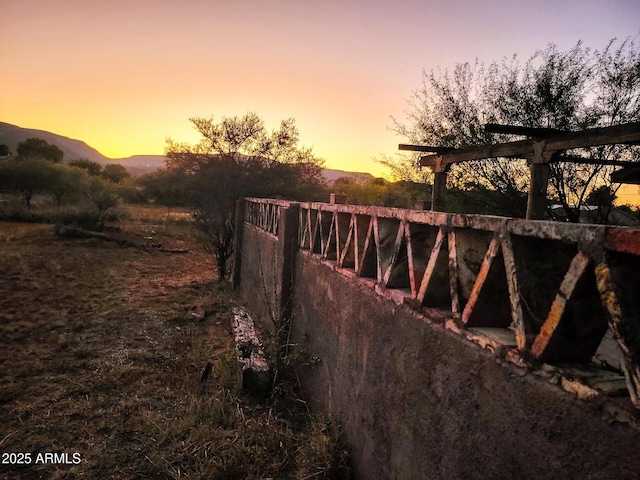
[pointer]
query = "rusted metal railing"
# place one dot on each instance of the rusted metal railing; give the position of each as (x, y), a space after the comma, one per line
(264, 213)
(531, 291)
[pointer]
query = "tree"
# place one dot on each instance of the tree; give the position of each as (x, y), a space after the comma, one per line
(65, 181)
(603, 198)
(28, 177)
(378, 191)
(165, 187)
(237, 157)
(4, 151)
(38, 176)
(93, 168)
(36, 148)
(567, 90)
(103, 197)
(115, 173)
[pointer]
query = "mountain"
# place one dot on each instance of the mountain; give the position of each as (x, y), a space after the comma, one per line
(331, 175)
(141, 164)
(12, 135)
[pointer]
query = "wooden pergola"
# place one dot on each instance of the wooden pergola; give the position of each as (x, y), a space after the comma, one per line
(544, 146)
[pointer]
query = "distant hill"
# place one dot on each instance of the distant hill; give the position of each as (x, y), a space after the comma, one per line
(141, 164)
(331, 175)
(12, 135)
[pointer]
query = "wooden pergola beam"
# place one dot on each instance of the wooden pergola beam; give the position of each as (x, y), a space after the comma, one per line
(629, 174)
(518, 149)
(625, 133)
(424, 148)
(539, 150)
(439, 190)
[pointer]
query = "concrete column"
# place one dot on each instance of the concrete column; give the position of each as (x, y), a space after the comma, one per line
(422, 205)
(286, 255)
(237, 242)
(286, 251)
(337, 198)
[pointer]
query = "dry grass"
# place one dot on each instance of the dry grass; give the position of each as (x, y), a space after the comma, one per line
(99, 356)
(156, 214)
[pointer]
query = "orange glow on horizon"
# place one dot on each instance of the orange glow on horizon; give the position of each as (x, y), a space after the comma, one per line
(123, 76)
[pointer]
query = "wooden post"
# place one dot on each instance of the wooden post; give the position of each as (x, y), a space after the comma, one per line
(438, 194)
(537, 200)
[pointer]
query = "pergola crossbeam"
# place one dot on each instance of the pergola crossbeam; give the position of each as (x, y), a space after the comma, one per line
(540, 150)
(518, 149)
(425, 148)
(629, 174)
(629, 132)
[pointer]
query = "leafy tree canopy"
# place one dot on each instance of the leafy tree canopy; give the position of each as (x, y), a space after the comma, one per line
(236, 157)
(93, 168)
(65, 182)
(242, 158)
(30, 177)
(569, 90)
(36, 148)
(377, 191)
(115, 173)
(247, 135)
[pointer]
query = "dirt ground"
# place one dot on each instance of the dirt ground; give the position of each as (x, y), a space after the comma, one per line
(101, 357)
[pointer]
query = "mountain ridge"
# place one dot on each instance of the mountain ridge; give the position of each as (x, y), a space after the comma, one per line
(12, 135)
(73, 149)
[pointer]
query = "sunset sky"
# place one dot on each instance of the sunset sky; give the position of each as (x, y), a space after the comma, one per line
(124, 75)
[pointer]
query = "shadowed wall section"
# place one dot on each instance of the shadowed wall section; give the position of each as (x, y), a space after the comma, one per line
(416, 394)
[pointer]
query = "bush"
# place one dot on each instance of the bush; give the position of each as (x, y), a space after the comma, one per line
(83, 216)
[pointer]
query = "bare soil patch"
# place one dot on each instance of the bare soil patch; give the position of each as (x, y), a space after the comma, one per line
(101, 356)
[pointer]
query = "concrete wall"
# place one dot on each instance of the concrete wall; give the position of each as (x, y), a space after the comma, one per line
(263, 269)
(259, 272)
(417, 401)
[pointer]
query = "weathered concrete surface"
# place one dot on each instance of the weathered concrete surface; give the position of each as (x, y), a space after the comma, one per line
(256, 376)
(265, 274)
(417, 401)
(259, 281)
